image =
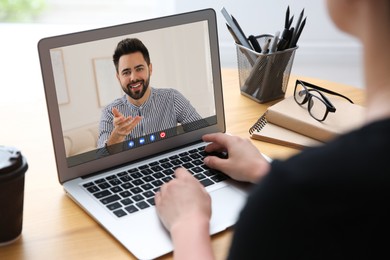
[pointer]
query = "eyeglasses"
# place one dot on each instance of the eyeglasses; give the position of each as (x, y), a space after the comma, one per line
(318, 104)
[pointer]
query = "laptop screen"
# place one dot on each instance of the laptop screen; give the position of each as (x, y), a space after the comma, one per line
(179, 85)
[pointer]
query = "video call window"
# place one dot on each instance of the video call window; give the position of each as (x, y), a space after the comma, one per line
(86, 82)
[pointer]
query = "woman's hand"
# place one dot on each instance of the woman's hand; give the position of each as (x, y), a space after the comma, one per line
(244, 162)
(184, 207)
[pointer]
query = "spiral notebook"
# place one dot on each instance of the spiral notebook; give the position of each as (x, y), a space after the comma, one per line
(265, 131)
(289, 124)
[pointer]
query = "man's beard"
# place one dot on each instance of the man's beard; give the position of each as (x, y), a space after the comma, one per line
(138, 93)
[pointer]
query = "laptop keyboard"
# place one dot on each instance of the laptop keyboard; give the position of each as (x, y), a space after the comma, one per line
(132, 190)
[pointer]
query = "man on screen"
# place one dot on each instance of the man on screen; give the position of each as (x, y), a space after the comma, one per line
(143, 109)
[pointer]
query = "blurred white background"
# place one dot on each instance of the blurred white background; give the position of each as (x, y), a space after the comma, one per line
(323, 52)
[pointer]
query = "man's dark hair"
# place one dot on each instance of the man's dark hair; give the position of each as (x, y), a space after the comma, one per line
(128, 46)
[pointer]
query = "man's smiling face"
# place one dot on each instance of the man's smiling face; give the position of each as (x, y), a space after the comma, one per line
(134, 74)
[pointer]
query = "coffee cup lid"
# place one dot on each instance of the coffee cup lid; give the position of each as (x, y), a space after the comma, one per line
(10, 159)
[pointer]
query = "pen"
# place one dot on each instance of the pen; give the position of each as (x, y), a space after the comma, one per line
(297, 26)
(242, 40)
(290, 37)
(291, 20)
(300, 18)
(255, 44)
(287, 19)
(238, 25)
(299, 31)
(275, 42)
(233, 34)
(266, 46)
(284, 40)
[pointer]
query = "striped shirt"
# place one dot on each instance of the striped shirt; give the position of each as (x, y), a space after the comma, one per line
(165, 108)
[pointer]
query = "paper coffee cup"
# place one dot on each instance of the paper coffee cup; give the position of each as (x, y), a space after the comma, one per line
(13, 167)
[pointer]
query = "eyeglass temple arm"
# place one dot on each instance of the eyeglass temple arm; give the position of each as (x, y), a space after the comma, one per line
(325, 90)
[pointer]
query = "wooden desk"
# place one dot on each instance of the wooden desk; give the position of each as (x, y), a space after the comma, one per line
(54, 226)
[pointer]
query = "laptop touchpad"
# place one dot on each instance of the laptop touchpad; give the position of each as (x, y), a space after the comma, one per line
(227, 203)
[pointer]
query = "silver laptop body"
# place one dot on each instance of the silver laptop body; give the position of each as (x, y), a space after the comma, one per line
(79, 80)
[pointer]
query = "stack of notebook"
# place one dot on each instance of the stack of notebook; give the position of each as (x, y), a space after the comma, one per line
(289, 124)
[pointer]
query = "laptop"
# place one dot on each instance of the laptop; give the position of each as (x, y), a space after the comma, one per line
(117, 187)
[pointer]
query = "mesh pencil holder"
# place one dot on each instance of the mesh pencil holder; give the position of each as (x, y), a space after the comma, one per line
(264, 77)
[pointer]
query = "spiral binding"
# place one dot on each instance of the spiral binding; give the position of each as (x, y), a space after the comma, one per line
(260, 123)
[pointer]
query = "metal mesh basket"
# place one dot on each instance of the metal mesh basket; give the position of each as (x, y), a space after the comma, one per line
(264, 77)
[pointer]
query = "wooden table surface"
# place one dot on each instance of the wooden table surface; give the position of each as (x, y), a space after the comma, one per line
(54, 226)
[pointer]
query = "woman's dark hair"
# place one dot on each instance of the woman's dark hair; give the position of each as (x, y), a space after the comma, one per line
(128, 46)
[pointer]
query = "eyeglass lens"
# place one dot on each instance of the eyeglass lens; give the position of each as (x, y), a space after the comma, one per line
(315, 106)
